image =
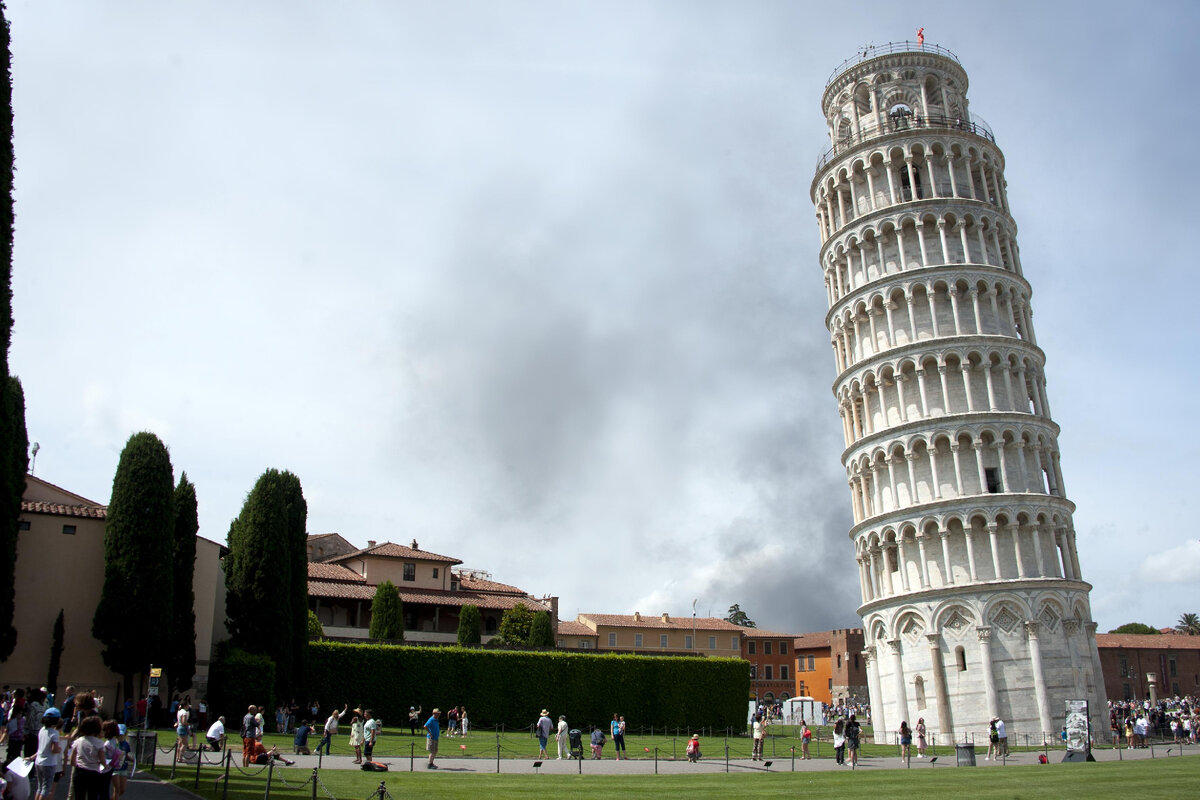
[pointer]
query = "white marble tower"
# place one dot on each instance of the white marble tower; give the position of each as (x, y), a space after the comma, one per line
(973, 602)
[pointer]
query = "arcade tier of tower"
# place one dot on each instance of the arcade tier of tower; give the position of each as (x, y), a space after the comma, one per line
(971, 585)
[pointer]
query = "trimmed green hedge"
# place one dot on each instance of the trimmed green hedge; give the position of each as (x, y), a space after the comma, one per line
(237, 679)
(510, 688)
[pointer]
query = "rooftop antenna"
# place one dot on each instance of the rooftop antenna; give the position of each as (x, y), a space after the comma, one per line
(33, 464)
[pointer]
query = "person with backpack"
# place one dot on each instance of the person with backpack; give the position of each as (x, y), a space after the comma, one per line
(853, 731)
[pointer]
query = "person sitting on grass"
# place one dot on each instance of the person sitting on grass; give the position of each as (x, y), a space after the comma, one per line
(261, 755)
(693, 748)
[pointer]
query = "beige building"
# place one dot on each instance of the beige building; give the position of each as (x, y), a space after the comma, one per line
(634, 633)
(60, 565)
(433, 592)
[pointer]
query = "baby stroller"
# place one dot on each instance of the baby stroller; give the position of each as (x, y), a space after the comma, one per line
(576, 737)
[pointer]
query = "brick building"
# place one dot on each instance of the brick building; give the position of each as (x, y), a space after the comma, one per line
(771, 665)
(1126, 659)
(829, 666)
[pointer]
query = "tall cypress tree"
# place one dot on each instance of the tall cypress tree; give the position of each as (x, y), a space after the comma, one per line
(387, 613)
(14, 441)
(297, 539)
(134, 612)
(181, 658)
(56, 650)
(261, 603)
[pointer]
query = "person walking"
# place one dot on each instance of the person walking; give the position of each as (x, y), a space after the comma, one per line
(46, 761)
(90, 760)
(905, 733)
(564, 745)
(542, 730)
(805, 739)
(757, 735)
(853, 731)
(433, 731)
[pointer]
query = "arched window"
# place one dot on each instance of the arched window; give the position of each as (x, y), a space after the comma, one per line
(960, 655)
(919, 687)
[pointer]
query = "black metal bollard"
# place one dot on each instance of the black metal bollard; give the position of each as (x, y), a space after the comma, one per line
(270, 772)
(174, 761)
(412, 755)
(497, 754)
(727, 757)
(314, 783)
(656, 760)
(199, 758)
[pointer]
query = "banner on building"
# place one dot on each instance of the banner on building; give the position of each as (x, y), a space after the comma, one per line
(1077, 725)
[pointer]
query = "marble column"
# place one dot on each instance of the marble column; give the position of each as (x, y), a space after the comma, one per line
(989, 676)
(1039, 676)
(945, 723)
(898, 680)
(878, 720)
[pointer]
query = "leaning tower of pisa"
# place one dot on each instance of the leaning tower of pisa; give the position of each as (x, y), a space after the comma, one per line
(973, 603)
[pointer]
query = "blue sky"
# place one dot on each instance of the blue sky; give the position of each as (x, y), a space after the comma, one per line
(536, 283)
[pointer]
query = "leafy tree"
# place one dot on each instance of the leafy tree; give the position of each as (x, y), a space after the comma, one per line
(515, 625)
(56, 650)
(135, 608)
(1189, 624)
(181, 658)
(14, 440)
(470, 625)
(261, 604)
(541, 632)
(387, 613)
(315, 629)
(1136, 627)
(738, 617)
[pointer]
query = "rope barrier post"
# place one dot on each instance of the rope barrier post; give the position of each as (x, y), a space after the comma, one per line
(314, 783)
(412, 756)
(673, 756)
(793, 758)
(270, 772)
(497, 754)
(656, 760)
(199, 759)
(727, 756)
(174, 761)
(228, 761)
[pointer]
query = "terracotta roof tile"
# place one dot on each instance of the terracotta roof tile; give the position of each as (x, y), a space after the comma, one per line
(1149, 641)
(389, 550)
(573, 628)
(363, 591)
(58, 509)
(759, 633)
(480, 585)
(319, 571)
(812, 641)
(672, 623)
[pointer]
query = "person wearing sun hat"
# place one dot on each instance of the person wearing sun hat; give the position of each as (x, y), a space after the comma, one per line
(542, 728)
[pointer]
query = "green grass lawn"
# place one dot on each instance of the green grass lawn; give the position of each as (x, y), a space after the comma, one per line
(1143, 779)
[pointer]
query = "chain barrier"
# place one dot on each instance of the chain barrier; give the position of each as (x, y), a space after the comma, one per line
(381, 793)
(259, 771)
(279, 777)
(325, 788)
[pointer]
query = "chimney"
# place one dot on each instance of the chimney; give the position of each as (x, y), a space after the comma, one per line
(414, 545)
(665, 618)
(637, 616)
(370, 543)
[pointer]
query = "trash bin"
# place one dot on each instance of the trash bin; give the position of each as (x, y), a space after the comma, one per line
(144, 747)
(966, 755)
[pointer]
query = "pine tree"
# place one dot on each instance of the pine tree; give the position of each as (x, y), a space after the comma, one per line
(14, 440)
(470, 625)
(56, 651)
(260, 585)
(541, 631)
(135, 609)
(315, 629)
(387, 613)
(297, 539)
(181, 657)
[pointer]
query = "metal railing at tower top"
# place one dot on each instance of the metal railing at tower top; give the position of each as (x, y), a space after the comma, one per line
(871, 51)
(974, 125)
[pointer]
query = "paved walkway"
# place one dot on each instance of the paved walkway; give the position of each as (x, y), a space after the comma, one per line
(145, 787)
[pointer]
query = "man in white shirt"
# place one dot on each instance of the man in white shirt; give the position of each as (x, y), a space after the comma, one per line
(1002, 732)
(216, 735)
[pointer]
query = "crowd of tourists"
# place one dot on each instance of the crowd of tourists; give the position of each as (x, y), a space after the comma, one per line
(1132, 723)
(50, 737)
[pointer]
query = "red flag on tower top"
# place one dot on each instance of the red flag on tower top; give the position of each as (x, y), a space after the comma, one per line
(921, 36)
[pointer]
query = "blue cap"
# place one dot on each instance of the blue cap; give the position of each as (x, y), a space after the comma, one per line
(52, 712)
